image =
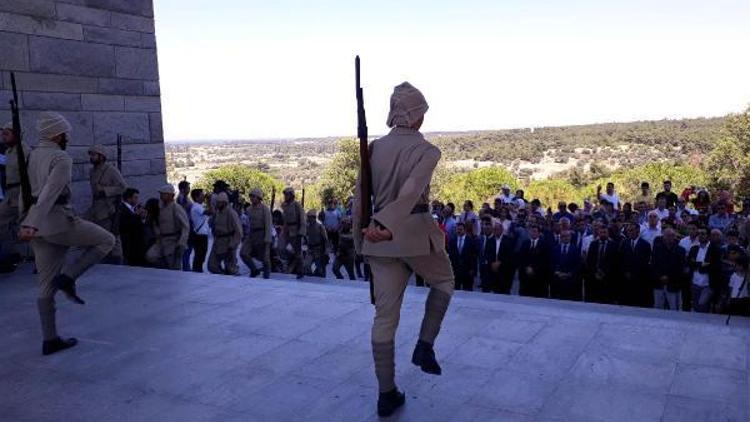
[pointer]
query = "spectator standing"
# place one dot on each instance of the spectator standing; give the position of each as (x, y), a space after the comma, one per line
(669, 197)
(534, 269)
(704, 261)
(332, 217)
(131, 229)
(200, 229)
(463, 255)
(183, 200)
(721, 219)
(505, 196)
(610, 195)
(601, 268)
(497, 261)
(634, 255)
(668, 271)
(691, 239)
(652, 229)
(566, 270)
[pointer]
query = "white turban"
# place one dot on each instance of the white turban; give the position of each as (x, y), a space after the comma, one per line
(408, 105)
(51, 124)
(168, 189)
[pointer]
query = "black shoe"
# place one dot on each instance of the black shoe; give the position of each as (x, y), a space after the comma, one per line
(67, 285)
(53, 346)
(254, 273)
(389, 402)
(300, 276)
(266, 276)
(424, 357)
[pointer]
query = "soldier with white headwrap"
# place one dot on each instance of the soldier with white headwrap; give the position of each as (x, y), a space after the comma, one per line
(9, 212)
(257, 243)
(107, 187)
(403, 238)
(53, 227)
(227, 231)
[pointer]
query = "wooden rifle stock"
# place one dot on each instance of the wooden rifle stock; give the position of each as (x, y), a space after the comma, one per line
(365, 172)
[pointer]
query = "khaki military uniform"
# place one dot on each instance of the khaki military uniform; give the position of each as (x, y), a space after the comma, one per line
(171, 237)
(402, 165)
(257, 243)
(293, 232)
(227, 231)
(9, 211)
(317, 241)
(345, 256)
(58, 228)
(104, 209)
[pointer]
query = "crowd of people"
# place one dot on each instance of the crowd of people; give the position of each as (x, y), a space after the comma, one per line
(678, 252)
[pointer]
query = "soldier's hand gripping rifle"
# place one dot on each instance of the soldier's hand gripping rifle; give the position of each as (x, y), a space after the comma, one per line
(119, 152)
(22, 164)
(365, 173)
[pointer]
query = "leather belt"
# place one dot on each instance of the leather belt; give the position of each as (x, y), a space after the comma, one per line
(225, 235)
(418, 209)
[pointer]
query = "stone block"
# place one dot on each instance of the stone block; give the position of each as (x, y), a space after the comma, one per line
(148, 104)
(5, 97)
(71, 57)
(148, 40)
(151, 88)
(710, 383)
(79, 154)
(99, 102)
(158, 166)
(132, 23)
(81, 171)
(51, 101)
(14, 51)
(81, 190)
(82, 133)
(84, 15)
(111, 36)
(134, 127)
(157, 130)
(11, 22)
(139, 7)
(136, 63)
(143, 151)
(120, 86)
(136, 167)
(37, 8)
(52, 83)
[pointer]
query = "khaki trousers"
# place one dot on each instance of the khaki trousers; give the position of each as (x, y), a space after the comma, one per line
(115, 256)
(50, 253)
(223, 263)
(9, 215)
(390, 276)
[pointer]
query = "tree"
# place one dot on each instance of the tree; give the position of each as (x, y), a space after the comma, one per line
(242, 178)
(340, 176)
(477, 185)
(552, 191)
(728, 164)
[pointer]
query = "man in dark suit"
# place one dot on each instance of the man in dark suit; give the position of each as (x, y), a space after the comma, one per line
(707, 277)
(668, 271)
(498, 256)
(633, 256)
(566, 269)
(131, 229)
(463, 254)
(534, 269)
(601, 268)
(482, 241)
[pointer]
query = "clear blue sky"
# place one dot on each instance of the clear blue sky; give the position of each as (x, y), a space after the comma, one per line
(244, 69)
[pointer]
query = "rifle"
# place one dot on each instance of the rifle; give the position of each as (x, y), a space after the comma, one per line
(23, 169)
(302, 202)
(273, 196)
(365, 172)
(119, 152)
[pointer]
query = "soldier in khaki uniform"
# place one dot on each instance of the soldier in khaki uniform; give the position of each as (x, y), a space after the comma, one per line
(257, 243)
(107, 187)
(317, 240)
(172, 230)
(402, 239)
(53, 228)
(294, 232)
(227, 231)
(9, 212)
(345, 251)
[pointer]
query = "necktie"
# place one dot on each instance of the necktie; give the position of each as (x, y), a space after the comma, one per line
(564, 250)
(633, 244)
(460, 244)
(601, 253)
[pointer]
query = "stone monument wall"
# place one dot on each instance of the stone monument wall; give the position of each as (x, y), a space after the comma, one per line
(95, 62)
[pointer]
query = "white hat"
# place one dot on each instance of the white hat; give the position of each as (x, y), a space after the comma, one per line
(408, 105)
(51, 124)
(167, 189)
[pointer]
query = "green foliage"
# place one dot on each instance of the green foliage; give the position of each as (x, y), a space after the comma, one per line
(478, 185)
(729, 162)
(552, 191)
(242, 178)
(340, 176)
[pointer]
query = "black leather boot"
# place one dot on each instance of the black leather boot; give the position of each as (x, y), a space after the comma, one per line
(424, 357)
(67, 285)
(389, 402)
(53, 346)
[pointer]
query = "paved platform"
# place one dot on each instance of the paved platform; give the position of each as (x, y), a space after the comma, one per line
(170, 346)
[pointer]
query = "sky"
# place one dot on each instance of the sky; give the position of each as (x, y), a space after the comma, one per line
(247, 69)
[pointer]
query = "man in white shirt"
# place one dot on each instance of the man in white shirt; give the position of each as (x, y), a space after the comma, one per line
(691, 239)
(200, 231)
(610, 196)
(505, 196)
(652, 229)
(661, 208)
(700, 265)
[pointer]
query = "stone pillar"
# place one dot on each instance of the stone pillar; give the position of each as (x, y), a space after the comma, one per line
(95, 62)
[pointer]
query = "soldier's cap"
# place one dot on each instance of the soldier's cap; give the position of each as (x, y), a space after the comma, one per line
(312, 213)
(98, 149)
(257, 193)
(51, 124)
(408, 105)
(289, 191)
(222, 197)
(167, 189)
